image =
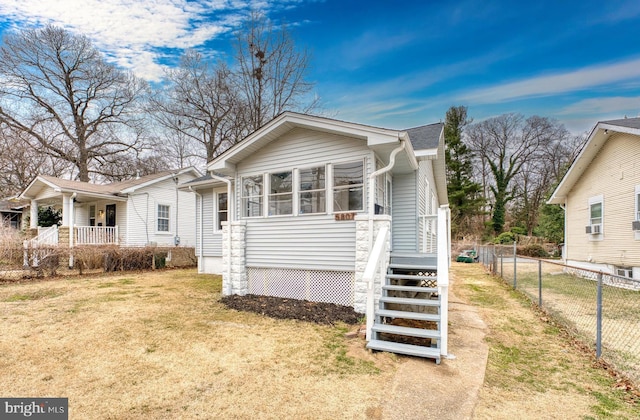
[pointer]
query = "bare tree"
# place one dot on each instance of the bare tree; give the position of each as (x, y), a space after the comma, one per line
(66, 100)
(508, 144)
(197, 106)
(270, 72)
(20, 163)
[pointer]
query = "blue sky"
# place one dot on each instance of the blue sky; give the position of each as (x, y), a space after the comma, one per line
(395, 64)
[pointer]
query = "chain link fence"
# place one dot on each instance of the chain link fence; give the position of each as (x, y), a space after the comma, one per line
(600, 309)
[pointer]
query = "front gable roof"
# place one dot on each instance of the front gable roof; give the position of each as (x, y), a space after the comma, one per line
(112, 190)
(375, 137)
(596, 141)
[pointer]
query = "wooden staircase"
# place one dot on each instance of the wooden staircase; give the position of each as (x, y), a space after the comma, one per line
(408, 320)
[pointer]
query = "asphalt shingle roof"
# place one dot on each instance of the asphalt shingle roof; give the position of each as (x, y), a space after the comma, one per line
(425, 136)
(625, 122)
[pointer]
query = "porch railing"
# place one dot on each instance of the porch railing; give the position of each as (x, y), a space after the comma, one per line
(96, 235)
(376, 267)
(429, 233)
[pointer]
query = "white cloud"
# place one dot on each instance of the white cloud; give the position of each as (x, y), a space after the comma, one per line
(132, 31)
(618, 105)
(572, 81)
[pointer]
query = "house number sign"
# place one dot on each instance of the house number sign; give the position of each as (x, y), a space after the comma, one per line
(345, 216)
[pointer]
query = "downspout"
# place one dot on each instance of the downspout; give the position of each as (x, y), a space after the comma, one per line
(200, 262)
(230, 218)
(72, 217)
(372, 179)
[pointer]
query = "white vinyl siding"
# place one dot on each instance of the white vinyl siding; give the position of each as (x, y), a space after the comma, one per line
(404, 221)
(306, 241)
(137, 219)
(212, 241)
(313, 242)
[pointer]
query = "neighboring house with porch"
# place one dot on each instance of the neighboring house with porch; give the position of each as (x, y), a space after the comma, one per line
(325, 210)
(11, 209)
(148, 210)
(600, 194)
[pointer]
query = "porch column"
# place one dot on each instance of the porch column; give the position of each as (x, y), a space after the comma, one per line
(33, 216)
(235, 280)
(362, 256)
(67, 210)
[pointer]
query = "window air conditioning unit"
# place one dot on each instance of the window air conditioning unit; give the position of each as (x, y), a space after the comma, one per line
(636, 225)
(587, 229)
(595, 229)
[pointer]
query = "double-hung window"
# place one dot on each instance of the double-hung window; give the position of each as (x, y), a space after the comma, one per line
(348, 183)
(280, 193)
(222, 209)
(163, 218)
(596, 217)
(312, 195)
(252, 194)
(92, 215)
(595, 213)
(637, 206)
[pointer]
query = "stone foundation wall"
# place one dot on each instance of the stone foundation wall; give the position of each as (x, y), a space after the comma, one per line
(362, 257)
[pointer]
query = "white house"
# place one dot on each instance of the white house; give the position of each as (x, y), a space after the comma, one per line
(148, 210)
(319, 209)
(600, 194)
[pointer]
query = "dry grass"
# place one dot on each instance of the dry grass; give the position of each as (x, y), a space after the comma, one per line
(535, 371)
(159, 345)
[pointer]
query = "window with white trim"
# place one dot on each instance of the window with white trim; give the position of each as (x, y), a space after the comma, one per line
(280, 193)
(163, 218)
(92, 215)
(348, 186)
(252, 195)
(596, 217)
(222, 209)
(595, 213)
(312, 194)
(624, 272)
(637, 206)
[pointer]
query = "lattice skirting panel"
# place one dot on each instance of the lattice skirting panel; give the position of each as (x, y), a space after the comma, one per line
(314, 285)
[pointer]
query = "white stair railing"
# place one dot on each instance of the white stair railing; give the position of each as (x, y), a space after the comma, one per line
(443, 263)
(376, 267)
(46, 236)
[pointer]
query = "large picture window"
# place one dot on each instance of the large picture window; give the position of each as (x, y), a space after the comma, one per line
(252, 194)
(280, 193)
(312, 190)
(348, 191)
(163, 218)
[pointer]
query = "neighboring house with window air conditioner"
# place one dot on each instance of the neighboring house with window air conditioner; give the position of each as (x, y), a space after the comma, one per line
(600, 194)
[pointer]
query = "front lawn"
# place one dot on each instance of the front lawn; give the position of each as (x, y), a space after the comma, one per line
(161, 345)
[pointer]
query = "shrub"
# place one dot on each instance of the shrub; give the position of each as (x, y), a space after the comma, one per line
(533, 250)
(505, 238)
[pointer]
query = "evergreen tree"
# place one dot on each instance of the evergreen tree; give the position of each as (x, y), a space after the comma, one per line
(465, 199)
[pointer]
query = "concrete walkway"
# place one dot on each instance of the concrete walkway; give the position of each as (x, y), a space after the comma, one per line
(423, 390)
